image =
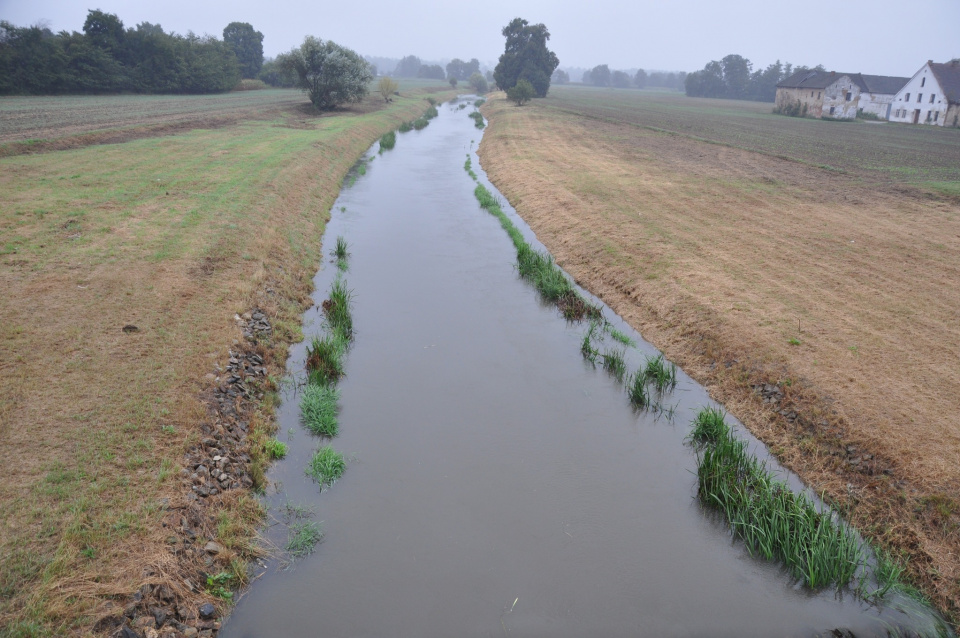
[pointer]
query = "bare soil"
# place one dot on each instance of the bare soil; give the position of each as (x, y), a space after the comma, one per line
(820, 309)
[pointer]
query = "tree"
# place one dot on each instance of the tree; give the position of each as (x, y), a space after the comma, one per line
(408, 67)
(478, 82)
(274, 75)
(461, 70)
(387, 87)
(453, 82)
(600, 75)
(560, 77)
(431, 71)
(736, 76)
(640, 79)
(526, 57)
(521, 92)
(329, 73)
(620, 80)
(247, 45)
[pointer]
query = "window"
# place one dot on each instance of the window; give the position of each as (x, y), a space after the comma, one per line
(919, 97)
(811, 93)
(932, 96)
(936, 115)
(818, 95)
(907, 99)
(922, 82)
(832, 109)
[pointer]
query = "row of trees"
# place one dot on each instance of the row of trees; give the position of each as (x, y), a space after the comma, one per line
(601, 75)
(733, 77)
(108, 58)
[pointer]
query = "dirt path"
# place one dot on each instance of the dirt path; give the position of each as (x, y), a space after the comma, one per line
(749, 270)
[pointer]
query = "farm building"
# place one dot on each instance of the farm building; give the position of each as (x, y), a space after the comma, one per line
(815, 93)
(932, 96)
(877, 93)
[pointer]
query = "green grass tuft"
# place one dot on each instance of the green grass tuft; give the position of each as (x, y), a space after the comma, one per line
(614, 364)
(326, 466)
(318, 406)
(275, 449)
(622, 338)
(338, 309)
(302, 538)
(637, 390)
(388, 141)
(477, 119)
(660, 372)
(325, 358)
(709, 427)
(406, 126)
(420, 123)
(340, 251)
(431, 113)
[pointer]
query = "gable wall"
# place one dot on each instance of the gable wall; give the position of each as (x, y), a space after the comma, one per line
(921, 86)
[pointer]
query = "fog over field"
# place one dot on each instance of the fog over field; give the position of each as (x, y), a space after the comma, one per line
(881, 37)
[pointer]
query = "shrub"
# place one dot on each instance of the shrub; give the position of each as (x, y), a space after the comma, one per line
(521, 93)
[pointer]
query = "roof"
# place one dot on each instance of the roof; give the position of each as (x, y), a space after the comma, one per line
(883, 84)
(948, 77)
(812, 79)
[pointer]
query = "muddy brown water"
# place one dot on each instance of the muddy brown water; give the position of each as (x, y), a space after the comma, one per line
(497, 484)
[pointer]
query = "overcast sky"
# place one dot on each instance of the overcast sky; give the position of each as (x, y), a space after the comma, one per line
(879, 37)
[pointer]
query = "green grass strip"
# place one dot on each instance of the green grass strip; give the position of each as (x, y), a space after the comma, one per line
(773, 522)
(302, 538)
(388, 141)
(318, 406)
(536, 267)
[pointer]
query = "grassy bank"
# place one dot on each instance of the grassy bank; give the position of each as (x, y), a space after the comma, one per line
(170, 238)
(819, 309)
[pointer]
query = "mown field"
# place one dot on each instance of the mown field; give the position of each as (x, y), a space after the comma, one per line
(880, 153)
(840, 288)
(174, 235)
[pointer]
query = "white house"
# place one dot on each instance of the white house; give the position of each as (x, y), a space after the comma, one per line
(813, 93)
(877, 93)
(932, 96)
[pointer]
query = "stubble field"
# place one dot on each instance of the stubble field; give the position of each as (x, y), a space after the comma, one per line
(839, 286)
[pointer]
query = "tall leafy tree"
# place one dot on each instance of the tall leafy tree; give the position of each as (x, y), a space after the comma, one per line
(247, 45)
(600, 75)
(640, 79)
(408, 67)
(330, 74)
(526, 57)
(620, 80)
(736, 76)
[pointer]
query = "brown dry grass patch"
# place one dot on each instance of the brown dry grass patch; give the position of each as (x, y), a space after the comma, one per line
(174, 235)
(721, 257)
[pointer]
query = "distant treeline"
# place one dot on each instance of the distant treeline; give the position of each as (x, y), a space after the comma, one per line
(733, 77)
(106, 58)
(601, 75)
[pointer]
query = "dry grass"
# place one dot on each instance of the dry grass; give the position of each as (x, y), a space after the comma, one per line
(721, 257)
(174, 235)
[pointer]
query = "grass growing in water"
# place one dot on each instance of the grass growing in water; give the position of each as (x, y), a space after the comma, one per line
(637, 390)
(709, 427)
(586, 346)
(774, 522)
(325, 358)
(477, 119)
(340, 252)
(337, 309)
(319, 409)
(406, 126)
(614, 364)
(388, 141)
(431, 113)
(326, 466)
(479, 102)
(420, 123)
(302, 538)
(468, 166)
(660, 372)
(275, 449)
(622, 338)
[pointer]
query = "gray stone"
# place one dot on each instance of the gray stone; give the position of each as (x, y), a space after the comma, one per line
(207, 611)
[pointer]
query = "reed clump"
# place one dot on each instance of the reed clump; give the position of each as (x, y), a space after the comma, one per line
(388, 141)
(326, 466)
(477, 119)
(772, 521)
(318, 407)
